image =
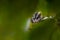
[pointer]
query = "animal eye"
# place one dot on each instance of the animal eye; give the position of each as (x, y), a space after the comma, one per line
(38, 16)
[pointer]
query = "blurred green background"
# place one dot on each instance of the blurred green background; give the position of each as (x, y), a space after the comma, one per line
(14, 15)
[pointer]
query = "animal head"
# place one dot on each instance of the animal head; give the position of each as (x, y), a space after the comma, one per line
(36, 17)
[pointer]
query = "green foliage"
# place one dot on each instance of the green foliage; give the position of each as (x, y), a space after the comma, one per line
(14, 14)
